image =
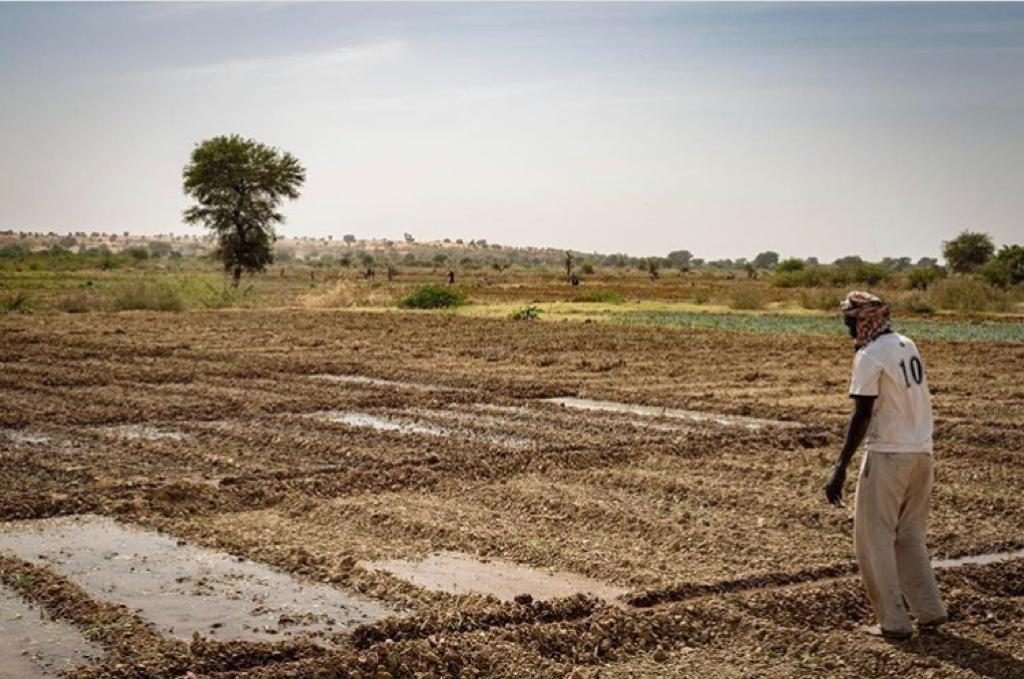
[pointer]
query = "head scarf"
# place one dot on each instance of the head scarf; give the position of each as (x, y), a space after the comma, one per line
(871, 314)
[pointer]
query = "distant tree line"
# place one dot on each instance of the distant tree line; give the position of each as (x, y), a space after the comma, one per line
(238, 185)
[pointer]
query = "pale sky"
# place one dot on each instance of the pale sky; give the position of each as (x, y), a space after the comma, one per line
(724, 129)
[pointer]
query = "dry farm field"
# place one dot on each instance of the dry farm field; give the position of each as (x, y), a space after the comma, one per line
(307, 493)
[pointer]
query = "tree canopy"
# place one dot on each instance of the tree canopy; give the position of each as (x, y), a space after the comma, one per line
(968, 252)
(791, 264)
(680, 258)
(766, 260)
(1006, 268)
(238, 185)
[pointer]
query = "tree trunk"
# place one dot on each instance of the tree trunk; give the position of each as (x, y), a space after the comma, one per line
(236, 277)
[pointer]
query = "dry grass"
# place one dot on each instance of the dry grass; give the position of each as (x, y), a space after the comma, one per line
(748, 297)
(346, 293)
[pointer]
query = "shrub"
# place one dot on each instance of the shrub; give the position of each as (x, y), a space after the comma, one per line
(814, 277)
(791, 264)
(797, 278)
(821, 300)
(142, 294)
(587, 269)
(20, 303)
(962, 293)
(223, 296)
(432, 297)
(13, 251)
(922, 277)
(527, 313)
(918, 303)
(834, 276)
(701, 297)
(1007, 268)
(838, 276)
(747, 297)
(78, 302)
(869, 274)
(159, 249)
(138, 253)
(601, 296)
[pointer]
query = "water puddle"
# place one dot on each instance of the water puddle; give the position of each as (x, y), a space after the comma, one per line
(184, 589)
(979, 559)
(141, 432)
(409, 426)
(33, 645)
(463, 574)
(475, 425)
(695, 416)
(506, 410)
(25, 437)
(383, 424)
(374, 381)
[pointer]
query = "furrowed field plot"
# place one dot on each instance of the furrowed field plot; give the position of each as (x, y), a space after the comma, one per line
(395, 466)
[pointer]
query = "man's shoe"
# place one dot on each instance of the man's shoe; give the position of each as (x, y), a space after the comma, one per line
(891, 635)
(932, 625)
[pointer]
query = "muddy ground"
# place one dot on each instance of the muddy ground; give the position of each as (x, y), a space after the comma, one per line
(261, 435)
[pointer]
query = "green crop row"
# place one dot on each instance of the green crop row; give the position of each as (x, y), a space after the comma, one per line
(959, 331)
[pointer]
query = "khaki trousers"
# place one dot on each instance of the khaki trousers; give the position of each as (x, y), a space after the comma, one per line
(893, 496)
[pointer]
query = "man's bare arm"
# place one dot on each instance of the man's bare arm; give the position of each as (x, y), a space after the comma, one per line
(858, 427)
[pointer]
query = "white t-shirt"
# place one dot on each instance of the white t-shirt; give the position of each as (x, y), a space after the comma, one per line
(891, 369)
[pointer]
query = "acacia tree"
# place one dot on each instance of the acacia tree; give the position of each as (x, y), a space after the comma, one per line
(680, 258)
(238, 185)
(766, 260)
(968, 252)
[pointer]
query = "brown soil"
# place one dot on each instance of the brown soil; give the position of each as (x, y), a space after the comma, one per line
(199, 424)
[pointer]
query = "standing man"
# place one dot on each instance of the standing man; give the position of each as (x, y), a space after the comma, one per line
(893, 417)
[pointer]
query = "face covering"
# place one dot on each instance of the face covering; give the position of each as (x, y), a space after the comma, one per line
(871, 315)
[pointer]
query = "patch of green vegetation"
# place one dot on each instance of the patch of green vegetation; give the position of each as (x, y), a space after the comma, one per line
(148, 295)
(18, 258)
(23, 581)
(821, 299)
(969, 295)
(957, 331)
(433, 296)
(748, 297)
(216, 293)
(19, 302)
(792, 276)
(527, 313)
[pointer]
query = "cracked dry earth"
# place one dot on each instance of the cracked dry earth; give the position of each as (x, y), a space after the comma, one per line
(304, 494)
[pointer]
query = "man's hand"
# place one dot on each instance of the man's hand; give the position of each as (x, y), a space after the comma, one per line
(834, 485)
(859, 421)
